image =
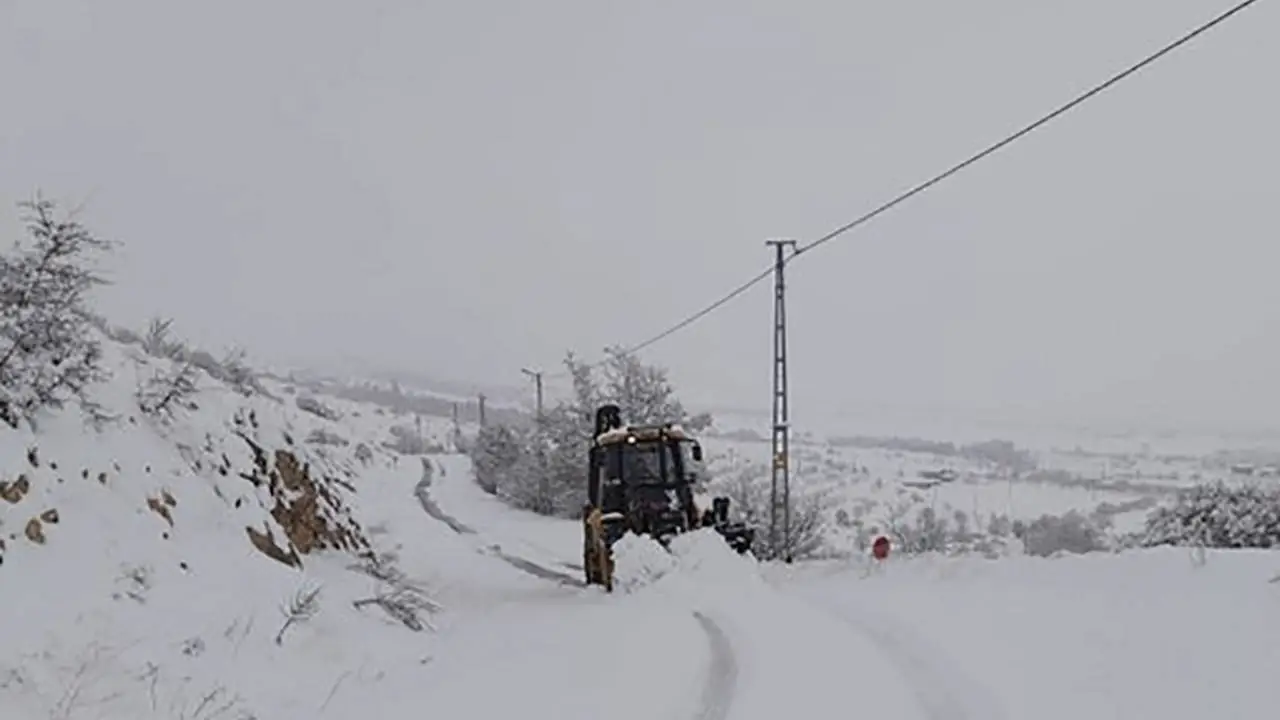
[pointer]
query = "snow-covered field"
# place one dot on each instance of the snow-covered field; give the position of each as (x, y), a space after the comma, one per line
(872, 483)
(131, 586)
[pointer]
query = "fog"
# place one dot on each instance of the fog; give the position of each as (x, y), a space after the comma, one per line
(465, 189)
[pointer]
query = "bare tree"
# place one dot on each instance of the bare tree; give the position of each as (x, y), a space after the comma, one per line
(237, 373)
(48, 353)
(158, 341)
(166, 389)
(747, 486)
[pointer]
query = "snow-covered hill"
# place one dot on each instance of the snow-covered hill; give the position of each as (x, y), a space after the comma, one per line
(147, 563)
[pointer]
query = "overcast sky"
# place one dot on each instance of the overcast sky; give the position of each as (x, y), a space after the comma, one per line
(464, 188)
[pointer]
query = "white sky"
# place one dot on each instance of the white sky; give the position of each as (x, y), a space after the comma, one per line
(468, 188)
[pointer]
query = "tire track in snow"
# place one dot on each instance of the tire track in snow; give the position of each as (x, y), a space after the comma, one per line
(423, 492)
(940, 685)
(722, 673)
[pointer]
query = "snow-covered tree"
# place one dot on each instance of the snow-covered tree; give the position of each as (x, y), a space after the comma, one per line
(1218, 516)
(1073, 533)
(748, 487)
(643, 392)
(48, 352)
(159, 341)
(541, 465)
(494, 454)
(168, 389)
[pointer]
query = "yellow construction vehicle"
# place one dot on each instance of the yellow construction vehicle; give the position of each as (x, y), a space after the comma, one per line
(641, 479)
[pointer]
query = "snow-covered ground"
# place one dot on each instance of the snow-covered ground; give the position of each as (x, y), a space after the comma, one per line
(1160, 633)
(138, 592)
(1145, 634)
(130, 587)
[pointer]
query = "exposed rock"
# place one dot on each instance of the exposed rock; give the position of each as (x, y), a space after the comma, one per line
(266, 544)
(35, 531)
(308, 509)
(160, 509)
(16, 490)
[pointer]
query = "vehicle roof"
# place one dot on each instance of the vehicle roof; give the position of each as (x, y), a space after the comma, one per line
(642, 433)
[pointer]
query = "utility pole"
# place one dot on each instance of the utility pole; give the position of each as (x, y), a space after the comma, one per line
(457, 430)
(537, 381)
(544, 482)
(481, 409)
(781, 416)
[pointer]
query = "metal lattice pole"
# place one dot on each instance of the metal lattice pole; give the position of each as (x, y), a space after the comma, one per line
(781, 460)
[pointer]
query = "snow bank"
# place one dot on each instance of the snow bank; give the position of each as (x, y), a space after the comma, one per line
(704, 554)
(638, 561)
(701, 557)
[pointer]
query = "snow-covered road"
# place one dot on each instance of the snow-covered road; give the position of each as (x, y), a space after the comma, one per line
(716, 636)
(709, 639)
(423, 492)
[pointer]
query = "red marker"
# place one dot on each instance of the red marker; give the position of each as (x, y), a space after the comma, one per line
(880, 548)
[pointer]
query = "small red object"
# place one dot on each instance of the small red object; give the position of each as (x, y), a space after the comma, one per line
(880, 548)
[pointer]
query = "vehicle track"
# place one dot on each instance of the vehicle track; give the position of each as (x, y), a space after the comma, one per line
(722, 673)
(941, 686)
(423, 492)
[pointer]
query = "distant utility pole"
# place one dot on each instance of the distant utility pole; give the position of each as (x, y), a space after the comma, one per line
(481, 409)
(781, 417)
(544, 481)
(537, 382)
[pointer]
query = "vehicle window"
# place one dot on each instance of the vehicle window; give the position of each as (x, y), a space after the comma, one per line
(644, 463)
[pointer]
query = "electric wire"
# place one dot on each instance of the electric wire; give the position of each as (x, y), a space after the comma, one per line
(989, 150)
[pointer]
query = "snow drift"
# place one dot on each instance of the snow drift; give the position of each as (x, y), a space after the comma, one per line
(700, 556)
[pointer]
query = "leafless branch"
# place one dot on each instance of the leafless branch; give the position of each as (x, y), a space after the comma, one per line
(304, 606)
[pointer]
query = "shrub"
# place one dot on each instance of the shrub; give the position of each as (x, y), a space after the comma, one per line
(1218, 516)
(1051, 534)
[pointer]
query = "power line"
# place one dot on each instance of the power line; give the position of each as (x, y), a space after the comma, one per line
(1028, 129)
(685, 322)
(916, 190)
(703, 312)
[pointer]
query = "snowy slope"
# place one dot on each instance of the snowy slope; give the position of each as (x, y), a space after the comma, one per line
(141, 594)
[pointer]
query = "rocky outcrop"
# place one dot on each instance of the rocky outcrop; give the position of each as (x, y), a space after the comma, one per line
(307, 506)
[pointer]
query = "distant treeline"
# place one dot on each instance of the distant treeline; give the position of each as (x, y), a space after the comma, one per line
(999, 452)
(397, 400)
